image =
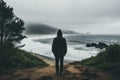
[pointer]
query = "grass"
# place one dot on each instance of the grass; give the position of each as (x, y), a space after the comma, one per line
(108, 60)
(11, 57)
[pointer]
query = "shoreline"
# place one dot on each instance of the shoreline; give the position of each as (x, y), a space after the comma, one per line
(50, 60)
(73, 54)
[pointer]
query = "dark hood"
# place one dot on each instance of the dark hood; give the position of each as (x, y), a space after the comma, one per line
(59, 33)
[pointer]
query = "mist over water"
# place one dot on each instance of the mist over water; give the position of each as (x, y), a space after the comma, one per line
(95, 16)
(77, 49)
(42, 45)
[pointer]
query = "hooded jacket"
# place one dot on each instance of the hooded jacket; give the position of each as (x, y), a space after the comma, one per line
(59, 46)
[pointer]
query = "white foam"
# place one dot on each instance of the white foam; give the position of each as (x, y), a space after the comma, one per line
(45, 49)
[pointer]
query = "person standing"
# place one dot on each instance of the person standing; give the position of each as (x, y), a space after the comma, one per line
(59, 49)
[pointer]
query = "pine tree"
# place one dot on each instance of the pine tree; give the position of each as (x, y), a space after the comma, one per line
(11, 27)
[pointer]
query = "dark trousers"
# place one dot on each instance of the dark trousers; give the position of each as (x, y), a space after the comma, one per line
(59, 64)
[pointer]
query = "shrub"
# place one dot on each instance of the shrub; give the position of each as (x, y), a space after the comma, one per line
(12, 57)
(107, 60)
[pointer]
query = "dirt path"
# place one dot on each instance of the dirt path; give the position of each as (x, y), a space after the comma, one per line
(71, 72)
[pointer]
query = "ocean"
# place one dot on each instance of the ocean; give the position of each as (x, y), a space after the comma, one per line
(77, 50)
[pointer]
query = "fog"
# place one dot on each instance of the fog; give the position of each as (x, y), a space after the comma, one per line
(95, 16)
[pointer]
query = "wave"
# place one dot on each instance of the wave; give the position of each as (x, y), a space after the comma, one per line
(76, 49)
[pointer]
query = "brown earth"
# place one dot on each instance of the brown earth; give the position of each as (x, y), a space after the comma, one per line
(71, 72)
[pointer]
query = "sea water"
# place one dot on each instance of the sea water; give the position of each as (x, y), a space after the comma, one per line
(77, 50)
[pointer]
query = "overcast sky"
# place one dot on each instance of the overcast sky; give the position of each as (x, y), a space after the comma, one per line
(95, 16)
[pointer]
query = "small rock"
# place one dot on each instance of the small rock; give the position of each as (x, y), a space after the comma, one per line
(25, 79)
(46, 78)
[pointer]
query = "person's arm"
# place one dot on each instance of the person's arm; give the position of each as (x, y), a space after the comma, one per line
(53, 47)
(65, 44)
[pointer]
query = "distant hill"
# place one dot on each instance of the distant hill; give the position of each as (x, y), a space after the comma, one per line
(34, 29)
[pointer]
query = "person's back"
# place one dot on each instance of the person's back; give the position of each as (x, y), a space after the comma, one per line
(59, 49)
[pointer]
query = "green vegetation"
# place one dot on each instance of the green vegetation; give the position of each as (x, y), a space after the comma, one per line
(107, 60)
(11, 29)
(11, 57)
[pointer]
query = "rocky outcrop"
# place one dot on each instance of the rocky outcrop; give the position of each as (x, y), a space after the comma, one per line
(100, 45)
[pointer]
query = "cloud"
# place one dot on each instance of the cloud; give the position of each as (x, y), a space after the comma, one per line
(82, 15)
